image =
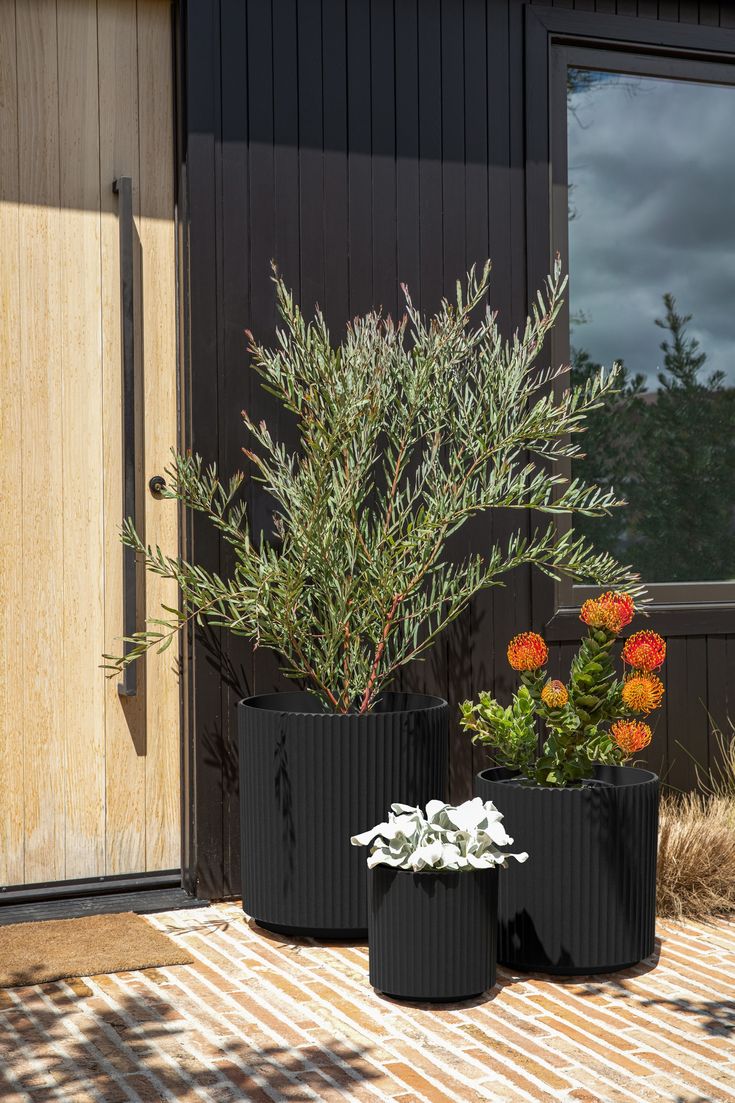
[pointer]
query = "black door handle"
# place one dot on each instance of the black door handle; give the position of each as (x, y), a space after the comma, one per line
(123, 188)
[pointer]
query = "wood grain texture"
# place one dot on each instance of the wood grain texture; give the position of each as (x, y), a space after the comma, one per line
(81, 441)
(158, 391)
(12, 840)
(89, 784)
(41, 549)
(125, 718)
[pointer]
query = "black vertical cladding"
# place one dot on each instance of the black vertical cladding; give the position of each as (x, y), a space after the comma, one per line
(203, 430)
(312, 214)
(383, 157)
(361, 143)
(274, 225)
(408, 219)
(357, 47)
(336, 178)
(235, 386)
(455, 166)
(431, 200)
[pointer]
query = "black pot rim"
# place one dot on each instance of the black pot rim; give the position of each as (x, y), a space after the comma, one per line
(643, 777)
(425, 702)
(432, 872)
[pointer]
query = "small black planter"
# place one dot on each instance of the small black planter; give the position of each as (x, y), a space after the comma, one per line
(309, 780)
(432, 935)
(585, 901)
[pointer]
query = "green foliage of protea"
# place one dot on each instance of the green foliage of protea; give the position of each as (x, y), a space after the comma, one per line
(406, 431)
(595, 718)
(513, 728)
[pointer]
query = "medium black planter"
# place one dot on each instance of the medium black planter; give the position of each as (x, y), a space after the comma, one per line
(309, 780)
(432, 935)
(585, 901)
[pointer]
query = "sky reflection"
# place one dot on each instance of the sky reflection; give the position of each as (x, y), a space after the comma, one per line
(652, 209)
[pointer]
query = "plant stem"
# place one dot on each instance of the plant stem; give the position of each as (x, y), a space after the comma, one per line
(397, 598)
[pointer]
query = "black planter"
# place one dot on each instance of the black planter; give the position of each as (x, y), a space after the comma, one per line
(432, 935)
(585, 901)
(309, 780)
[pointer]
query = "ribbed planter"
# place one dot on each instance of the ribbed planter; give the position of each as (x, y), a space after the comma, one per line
(309, 780)
(432, 935)
(585, 901)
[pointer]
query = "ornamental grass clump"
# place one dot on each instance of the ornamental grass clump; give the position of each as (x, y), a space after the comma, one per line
(696, 856)
(446, 837)
(696, 842)
(596, 718)
(406, 430)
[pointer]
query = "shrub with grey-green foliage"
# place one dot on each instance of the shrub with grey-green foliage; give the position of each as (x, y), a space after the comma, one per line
(406, 431)
(447, 837)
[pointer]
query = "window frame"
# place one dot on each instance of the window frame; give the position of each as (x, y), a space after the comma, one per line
(555, 40)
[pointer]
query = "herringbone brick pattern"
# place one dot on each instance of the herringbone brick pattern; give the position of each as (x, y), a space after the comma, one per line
(259, 1017)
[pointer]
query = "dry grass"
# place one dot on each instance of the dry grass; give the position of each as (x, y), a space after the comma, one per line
(696, 844)
(696, 856)
(719, 781)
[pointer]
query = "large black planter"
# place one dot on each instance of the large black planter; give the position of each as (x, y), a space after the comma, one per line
(432, 935)
(309, 780)
(585, 901)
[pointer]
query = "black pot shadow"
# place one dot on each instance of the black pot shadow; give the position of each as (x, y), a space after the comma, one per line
(442, 1005)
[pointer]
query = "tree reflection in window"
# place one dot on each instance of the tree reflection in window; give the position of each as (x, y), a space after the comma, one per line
(638, 227)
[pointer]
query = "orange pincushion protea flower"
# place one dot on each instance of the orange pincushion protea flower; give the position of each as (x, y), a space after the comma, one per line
(611, 611)
(554, 694)
(642, 692)
(622, 604)
(631, 735)
(644, 651)
(596, 615)
(527, 651)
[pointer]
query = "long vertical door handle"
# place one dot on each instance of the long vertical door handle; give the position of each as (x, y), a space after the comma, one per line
(123, 188)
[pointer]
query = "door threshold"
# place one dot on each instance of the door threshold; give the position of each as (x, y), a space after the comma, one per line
(140, 893)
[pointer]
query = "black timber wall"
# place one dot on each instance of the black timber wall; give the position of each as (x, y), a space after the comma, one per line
(361, 143)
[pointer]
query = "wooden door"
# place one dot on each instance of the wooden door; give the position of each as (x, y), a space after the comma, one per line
(89, 780)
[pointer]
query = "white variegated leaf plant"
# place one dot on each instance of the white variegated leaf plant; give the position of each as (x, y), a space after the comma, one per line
(462, 838)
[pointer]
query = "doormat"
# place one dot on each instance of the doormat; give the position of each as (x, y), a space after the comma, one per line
(32, 953)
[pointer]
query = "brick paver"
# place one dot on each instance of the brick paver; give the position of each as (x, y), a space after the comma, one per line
(261, 1017)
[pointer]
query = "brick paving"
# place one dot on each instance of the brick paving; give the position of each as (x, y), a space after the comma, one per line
(261, 1017)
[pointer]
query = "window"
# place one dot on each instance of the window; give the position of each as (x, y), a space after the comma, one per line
(647, 221)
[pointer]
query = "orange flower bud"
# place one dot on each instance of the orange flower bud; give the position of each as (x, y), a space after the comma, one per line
(527, 651)
(554, 694)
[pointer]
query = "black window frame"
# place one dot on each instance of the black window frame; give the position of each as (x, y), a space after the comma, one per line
(554, 40)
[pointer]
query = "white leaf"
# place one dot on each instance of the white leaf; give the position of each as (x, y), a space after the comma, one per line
(444, 837)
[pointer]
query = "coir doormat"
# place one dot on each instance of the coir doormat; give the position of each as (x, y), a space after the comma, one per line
(32, 953)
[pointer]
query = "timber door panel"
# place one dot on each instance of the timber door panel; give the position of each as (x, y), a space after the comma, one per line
(89, 780)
